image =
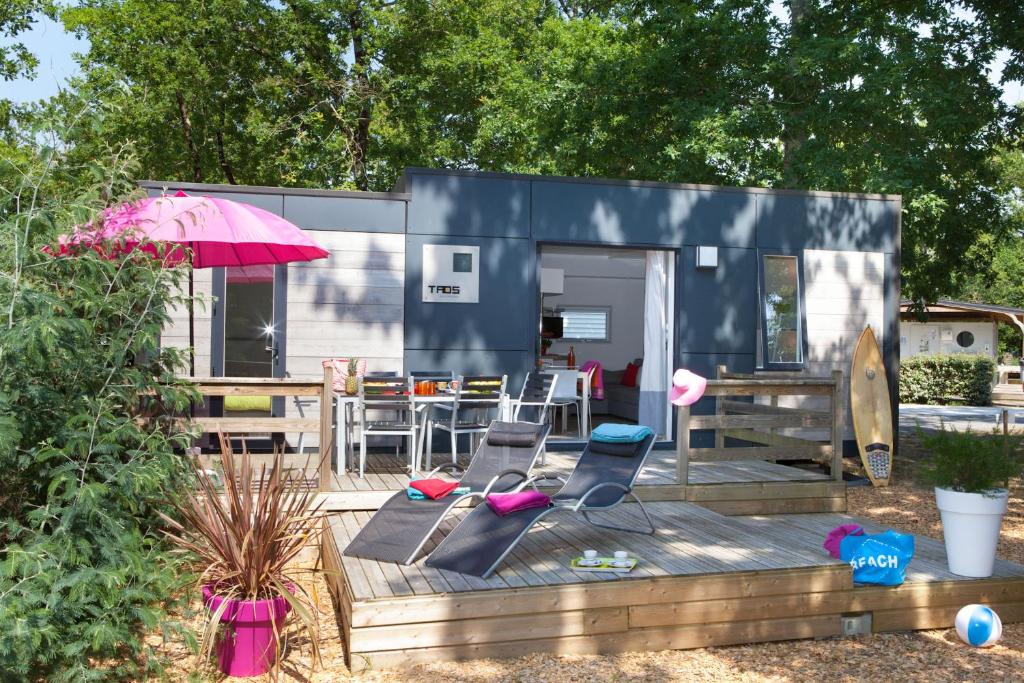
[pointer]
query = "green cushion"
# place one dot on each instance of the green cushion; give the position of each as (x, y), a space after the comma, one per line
(247, 403)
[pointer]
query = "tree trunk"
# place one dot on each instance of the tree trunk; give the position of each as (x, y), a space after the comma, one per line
(186, 129)
(796, 97)
(361, 70)
(222, 156)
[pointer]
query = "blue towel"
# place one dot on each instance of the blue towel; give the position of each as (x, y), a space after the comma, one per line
(617, 433)
(416, 494)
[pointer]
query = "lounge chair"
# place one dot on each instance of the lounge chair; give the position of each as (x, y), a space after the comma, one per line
(603, 478)
(402, 526)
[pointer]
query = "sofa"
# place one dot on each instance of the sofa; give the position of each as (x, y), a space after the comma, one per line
(621, 401)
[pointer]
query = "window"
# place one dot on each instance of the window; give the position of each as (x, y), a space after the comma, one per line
(585, 324)
(965, 339)
(782, 314)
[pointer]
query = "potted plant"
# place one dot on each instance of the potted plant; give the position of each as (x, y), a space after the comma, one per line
(246, 538)
(970, 473)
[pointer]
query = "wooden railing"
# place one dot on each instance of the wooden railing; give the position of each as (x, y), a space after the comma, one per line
(759, 423)
(275, 386)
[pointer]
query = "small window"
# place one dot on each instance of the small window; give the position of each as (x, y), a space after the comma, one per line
(782, 314)
(585, 324)
(965, 339)
(462, 262)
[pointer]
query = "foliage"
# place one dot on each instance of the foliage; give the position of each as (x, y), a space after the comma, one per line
(17, 16)
(246, 537)
(849, 96)
(84, 570)
(969, 462)
(941, 380)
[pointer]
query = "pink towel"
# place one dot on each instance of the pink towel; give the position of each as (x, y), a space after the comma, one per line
(507, 503)
(597, 380)
(833, 538)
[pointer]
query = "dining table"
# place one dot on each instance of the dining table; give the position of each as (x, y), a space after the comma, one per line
(344, 422)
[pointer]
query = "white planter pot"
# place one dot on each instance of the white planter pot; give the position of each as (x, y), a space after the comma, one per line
(970, 526)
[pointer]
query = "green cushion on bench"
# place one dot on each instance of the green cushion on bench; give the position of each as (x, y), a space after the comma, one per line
(239, 403)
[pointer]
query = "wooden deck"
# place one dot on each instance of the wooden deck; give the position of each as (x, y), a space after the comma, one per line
(704, 579)
(736, 487)
(731, 487)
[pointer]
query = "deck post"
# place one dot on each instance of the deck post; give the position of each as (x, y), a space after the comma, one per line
(837, 425)
(720, 371)
(683, 445)
(326, 428)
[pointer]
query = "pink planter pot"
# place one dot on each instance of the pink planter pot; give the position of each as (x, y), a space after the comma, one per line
(246, 645)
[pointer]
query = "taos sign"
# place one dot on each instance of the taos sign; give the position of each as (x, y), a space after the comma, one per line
(451, 274)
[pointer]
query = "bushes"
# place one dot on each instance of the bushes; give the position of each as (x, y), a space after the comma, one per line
(84, 569)
(942, 380)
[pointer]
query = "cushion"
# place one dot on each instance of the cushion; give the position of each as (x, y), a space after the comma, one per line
(416, 494)
(434, 488)
(507, 503)
(619, 433)
(520, 434)
(629, 375)
(622, 450)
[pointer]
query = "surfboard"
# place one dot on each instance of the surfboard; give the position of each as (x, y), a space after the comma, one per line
(871, 409)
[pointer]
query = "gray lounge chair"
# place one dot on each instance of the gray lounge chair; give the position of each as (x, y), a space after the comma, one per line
(603, 478)
(401, 527)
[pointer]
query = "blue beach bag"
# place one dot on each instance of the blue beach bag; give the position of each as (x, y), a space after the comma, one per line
(880, 559)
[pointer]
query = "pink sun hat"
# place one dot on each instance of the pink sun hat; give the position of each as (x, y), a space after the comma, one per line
(687, 388)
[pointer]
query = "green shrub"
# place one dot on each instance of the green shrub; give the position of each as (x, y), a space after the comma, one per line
(969, 462)
(959, 378)
(84, 569)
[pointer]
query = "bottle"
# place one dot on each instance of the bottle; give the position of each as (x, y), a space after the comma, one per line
(571, 360)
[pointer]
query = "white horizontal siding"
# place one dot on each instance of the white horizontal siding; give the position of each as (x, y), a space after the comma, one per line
(349, 304)
(175, 333)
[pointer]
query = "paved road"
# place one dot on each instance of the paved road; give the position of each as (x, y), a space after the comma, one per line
(955, 417)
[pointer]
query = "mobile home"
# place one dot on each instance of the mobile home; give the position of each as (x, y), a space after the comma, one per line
(458, 270)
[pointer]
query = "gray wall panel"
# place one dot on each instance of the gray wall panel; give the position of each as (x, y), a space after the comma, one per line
(465, 205)
(717, 309)
(502, 320)
(794, 222)
(623, 214)
(267, 202)
(345, 213)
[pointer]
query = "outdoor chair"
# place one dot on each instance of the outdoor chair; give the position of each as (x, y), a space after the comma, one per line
(395, 396)
(398, 531)
(535, 397)
(603, 478)
(466, 414)
(567, 394)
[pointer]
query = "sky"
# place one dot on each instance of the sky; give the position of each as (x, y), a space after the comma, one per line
(54, 48)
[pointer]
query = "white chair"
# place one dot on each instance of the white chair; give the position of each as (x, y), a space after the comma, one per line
(567, 394)
(395, 395)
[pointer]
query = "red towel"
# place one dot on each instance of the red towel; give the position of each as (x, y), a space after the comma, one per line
(507, 503)
(833, 538)
(434, 488)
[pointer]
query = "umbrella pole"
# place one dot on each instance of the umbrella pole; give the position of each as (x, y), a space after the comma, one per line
(191, 326)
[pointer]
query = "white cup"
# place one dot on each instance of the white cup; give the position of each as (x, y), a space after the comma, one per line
(590, 554)
(621, 556)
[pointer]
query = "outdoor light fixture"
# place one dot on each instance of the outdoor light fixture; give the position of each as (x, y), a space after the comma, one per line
(707, 257)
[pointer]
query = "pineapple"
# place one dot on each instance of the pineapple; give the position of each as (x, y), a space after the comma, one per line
(352, 379)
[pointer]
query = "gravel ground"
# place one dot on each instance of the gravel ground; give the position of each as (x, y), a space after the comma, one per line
(936, 655)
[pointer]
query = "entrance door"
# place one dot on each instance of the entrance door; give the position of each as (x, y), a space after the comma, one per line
(249, 324)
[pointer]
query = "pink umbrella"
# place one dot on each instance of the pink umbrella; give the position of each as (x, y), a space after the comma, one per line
(219, 232)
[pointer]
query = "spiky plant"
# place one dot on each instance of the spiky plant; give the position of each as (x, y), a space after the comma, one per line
(247, 536)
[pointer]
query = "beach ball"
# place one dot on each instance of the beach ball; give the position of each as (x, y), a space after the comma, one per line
(978, 625)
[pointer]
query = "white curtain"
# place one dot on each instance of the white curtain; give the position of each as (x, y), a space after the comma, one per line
(655, 372)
